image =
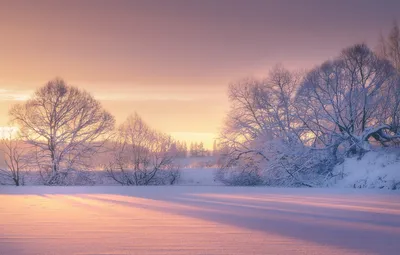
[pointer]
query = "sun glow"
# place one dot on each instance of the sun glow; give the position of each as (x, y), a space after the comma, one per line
(7, 132)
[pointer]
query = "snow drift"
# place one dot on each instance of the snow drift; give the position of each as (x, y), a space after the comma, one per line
(376, 169)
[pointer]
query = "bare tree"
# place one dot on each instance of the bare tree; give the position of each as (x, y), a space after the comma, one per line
(284, 130)
(262, 107)
(15, 158)
(342, 101)
(389, 47)
(143, 156)
(65, 125)
(262, 131)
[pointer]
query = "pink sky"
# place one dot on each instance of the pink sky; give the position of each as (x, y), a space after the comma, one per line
(171, 61)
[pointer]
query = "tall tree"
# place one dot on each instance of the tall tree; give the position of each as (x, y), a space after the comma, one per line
(64, 124)
(344, 101)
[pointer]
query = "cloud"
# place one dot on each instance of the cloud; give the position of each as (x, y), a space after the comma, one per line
(14, 95)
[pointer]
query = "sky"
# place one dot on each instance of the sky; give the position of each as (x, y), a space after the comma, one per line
(171, 61)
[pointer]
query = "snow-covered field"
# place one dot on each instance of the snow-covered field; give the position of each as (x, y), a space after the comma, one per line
(198, 176)
(197, 220)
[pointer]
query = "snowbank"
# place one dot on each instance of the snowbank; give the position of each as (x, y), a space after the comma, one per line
(377, 169)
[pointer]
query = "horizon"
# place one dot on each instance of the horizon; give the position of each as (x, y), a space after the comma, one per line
(172, 62)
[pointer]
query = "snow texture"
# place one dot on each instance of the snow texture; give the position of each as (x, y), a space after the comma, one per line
(198, 176)
(377, 169)
(197, 220)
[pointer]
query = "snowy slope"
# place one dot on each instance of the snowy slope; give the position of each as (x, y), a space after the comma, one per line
(377, 169)
(197, 220)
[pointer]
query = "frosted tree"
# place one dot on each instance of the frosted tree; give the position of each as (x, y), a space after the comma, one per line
(263, 135)
(65, 125)
(143, 156)
(344, 101)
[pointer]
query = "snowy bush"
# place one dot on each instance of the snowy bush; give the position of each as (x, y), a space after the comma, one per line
(240, 175)
(278, 163)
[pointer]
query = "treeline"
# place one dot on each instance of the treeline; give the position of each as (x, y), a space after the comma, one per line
(63, 132)
(293, 128)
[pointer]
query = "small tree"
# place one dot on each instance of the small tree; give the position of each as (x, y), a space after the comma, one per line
(65, 125)
(143, 156)
(15, 159)
(389, 47)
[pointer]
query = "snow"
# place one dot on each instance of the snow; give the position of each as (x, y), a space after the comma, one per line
(188, 176)
(198, 176)
(198, 220)
(377, 169)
